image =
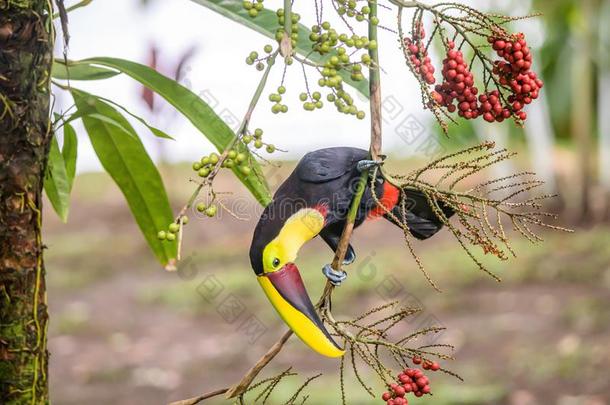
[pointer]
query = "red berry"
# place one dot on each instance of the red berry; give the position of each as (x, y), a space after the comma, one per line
(386, 396)
(416, 360)
(435, 366)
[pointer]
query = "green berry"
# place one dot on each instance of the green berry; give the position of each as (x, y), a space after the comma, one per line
(174, 227)
(276, 108)
(258, 133)
(171, 237)
(284, 108)
(316, 95)
(241, 157)
(196, 166)
(360, 115)
(281, 89)
(203, 172)
(231, 154)
(228, 163)
(258, 144)
(205, 160)
(246, 139)
(245, 170)
(211, 211)
(270, 148)
(253, 12)
(213, 158)
(303, 96)
(201, 207)
(161, 235)
(185, 220)
(326, 25)
(372, 44)
(268, 48)
(247, 5)
(249, 61)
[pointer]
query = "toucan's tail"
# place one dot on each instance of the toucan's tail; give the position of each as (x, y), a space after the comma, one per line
(423, 222)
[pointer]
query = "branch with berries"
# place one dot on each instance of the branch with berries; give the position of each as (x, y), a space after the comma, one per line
(473, 83)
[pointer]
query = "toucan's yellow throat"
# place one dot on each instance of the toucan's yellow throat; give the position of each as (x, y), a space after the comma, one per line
(283, 285)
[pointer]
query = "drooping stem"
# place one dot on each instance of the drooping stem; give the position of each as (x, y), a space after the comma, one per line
(374, 86)
(240, 131)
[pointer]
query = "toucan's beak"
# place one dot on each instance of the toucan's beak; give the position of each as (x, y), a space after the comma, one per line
(287, 293)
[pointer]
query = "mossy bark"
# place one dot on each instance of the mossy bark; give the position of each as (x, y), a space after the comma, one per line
(26, 43)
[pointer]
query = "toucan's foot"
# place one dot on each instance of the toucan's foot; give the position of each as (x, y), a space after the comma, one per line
(336, 277)
(366, 164)
(350, 256)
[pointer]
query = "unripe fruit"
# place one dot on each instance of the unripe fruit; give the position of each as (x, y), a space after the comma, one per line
(174, 227)
(246, 139)
(161, 235)
(232, 154)
(270, 148)
(196, 166)
(213, 158)
(211, 211)
(245, 170)
(201, 207)
(171, 237)
(258, 133)
(185, 220)
(241, 157)
(203, 172)
(258, 144)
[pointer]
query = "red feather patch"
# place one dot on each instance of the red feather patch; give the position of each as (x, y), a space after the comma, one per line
(388, 200)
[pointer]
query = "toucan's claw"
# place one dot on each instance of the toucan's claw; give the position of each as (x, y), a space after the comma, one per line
(350, 256)
(365, 164)
(336, 277)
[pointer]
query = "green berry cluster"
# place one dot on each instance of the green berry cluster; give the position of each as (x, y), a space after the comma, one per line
(258, 141)
(253, 58)
(348, 8)
(172, 229)
(209, 210)
(206, 165)
(294, 29)
(253, 7)
(276, 98)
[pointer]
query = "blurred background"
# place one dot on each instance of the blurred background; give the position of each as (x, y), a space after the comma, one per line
(124, 331)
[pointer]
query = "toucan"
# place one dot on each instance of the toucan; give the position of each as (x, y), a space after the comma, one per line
(314, 200)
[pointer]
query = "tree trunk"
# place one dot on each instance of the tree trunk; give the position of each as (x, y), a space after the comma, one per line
(582, 106)
(26, 43)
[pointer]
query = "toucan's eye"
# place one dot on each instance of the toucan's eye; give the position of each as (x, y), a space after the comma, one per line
(276, 262)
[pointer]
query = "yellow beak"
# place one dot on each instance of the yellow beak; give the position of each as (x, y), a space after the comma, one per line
(287, 293)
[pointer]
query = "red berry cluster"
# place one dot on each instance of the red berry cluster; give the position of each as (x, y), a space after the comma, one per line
(419, 56)
(411, 380)
(514, 71)
(458, 85)
(491, 107)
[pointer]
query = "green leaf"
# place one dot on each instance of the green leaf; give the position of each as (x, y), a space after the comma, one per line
(56, 183)
(266, 23)
(128, 163)
(201, 115)
(69, 152)
(80, 72)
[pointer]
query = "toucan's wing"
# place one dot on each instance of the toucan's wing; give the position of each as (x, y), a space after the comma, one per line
(328, 164)
(423, 222)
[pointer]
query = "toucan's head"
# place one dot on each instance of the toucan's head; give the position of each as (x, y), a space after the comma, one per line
(274, 248)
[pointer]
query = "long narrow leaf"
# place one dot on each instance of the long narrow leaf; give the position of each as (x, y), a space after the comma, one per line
(80, 72)
(194, 109)
(128, 163)
(56, 183)
(266, 24)
(69, 152)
